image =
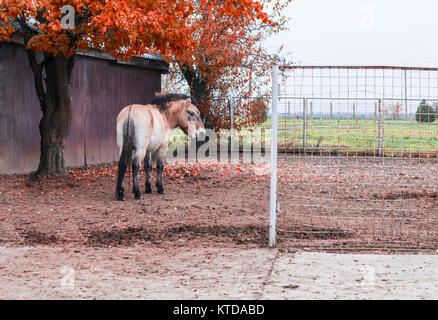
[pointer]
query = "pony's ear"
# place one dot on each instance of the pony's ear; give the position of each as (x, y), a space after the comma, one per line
(189, 100)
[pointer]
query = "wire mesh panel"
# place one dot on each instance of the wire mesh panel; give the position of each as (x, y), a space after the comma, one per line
(358, 162)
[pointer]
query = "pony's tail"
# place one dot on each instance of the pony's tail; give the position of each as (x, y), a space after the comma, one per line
(128, 144)
(125, 155)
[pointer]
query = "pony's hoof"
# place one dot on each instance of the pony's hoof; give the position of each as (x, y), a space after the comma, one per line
(137, 196)
(148, 191)
(120, 194)
(161, 191)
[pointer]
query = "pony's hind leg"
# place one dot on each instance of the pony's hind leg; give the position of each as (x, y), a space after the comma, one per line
(148, 169)
(135, 170)
(139, 155)
(120, 189)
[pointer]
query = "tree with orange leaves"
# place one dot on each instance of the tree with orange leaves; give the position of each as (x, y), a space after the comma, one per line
(228, 58)
(121, 28)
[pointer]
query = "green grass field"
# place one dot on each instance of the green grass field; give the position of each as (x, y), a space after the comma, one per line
(400, 137)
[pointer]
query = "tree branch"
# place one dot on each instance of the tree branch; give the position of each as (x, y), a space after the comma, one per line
(37, 68)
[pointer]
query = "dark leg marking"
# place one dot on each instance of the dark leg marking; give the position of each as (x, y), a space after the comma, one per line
(120, 189)
(135, 170)
(148, 168)
(159, 184)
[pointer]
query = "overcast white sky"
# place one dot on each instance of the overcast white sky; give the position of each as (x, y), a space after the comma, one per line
(361, 32)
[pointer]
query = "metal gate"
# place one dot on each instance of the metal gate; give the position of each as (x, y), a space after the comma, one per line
(357, 157)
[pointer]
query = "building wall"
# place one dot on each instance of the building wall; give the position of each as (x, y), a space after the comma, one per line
(100, 89)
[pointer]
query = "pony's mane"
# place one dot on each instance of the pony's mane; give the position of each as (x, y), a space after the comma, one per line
(162, 100)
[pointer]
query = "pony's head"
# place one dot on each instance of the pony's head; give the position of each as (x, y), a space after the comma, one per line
(190, 121)
(185, 114)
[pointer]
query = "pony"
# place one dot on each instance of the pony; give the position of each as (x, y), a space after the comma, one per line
(143, 133)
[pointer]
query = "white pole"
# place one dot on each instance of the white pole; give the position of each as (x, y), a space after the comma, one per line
(273, 191)
(304, 123)
(231, 125)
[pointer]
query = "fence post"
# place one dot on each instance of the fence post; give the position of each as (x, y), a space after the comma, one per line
(273, 189)
(355, 113)
(379, 129)
(406, 95)
(304, 123)
(375, 115)
(382, 125)
(311, 112)
(331, 110)
(231, 124)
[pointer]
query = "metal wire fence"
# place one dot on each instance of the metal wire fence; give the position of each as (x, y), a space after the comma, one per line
(353, 126)
(357, 156)
(358, 162)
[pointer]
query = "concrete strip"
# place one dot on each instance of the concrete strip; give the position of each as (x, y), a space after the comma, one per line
(353, 276)
(211, 273)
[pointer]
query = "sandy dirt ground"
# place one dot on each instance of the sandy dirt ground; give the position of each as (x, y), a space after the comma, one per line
(325, 202)
(207, 236)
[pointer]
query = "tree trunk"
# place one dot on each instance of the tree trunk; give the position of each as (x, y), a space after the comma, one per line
(208, 124)
(56, 106)
(198, 90)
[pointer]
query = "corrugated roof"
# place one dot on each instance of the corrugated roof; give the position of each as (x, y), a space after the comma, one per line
(147, 60)
(151, 56)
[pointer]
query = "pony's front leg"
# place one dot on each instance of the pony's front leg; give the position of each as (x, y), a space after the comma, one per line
(148, 168)
(161, 156)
